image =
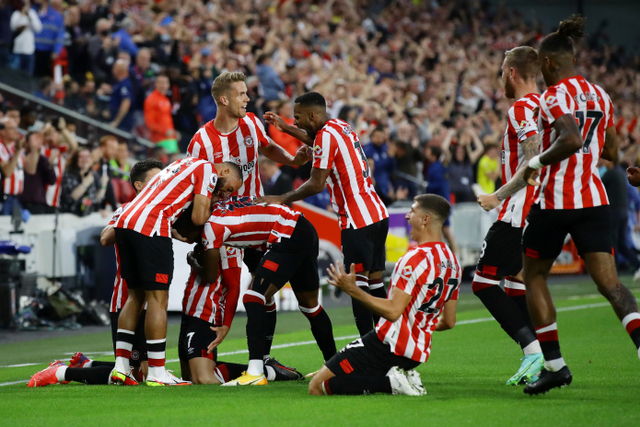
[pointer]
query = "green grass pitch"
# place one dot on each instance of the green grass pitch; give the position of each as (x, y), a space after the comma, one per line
(464, 378)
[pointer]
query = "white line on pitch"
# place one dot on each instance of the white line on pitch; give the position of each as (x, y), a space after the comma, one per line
(347, 337)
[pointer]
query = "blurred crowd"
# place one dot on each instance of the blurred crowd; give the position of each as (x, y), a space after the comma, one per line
(419, 80)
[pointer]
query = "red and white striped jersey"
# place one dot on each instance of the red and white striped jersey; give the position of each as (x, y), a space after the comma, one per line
(240, 223)
(207, 301)
(240, 147)
(170, 192)
(337, 147)
(120, 293)
(574, 183)
(431, 274)
(521, 124)
(59, 164)
(13, 185)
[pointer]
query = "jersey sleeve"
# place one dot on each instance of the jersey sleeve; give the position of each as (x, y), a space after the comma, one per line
(525, 123)
(5, 155)
(196, 147)
(407, 273)
(116, 215)
(204, 180)
(555, 103)
(324, 150)
(263, 138)
(610, 122)
(231, 257)
(212, 236)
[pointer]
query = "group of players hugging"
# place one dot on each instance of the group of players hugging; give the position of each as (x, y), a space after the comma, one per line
(214, 198)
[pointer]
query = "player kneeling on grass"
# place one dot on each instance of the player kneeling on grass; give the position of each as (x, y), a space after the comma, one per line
(81, 368)
(425, 283)
(292, 256)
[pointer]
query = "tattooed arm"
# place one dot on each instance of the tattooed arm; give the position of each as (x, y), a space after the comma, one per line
(530, 148)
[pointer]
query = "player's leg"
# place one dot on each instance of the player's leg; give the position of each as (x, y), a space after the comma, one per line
(376, 284)
(319, 321)
(501, 256)
(156, 331)
(516, 290)
(357, 248)
(541, 243)
(196, 340)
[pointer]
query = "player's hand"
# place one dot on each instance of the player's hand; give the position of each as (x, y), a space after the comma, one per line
(633, 176)
(488, 201)
(274, 120)
(303, 155)
(340, 279)
(269, 200)
(221, 332)
(192, 260)
(531, 175)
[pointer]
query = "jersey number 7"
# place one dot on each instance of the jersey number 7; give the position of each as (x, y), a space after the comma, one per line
(365, 163)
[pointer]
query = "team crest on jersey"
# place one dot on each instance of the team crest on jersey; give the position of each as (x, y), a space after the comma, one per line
(231, 250)
(206, 243)
(551, 100)
(347, 130)
(317, 150)
(523, 123)
(248, 141)
(407, 271)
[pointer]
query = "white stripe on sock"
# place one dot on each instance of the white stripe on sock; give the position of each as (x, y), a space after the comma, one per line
(123, 345)
(157, 341)
(629, 317)
(479, 279)
(310, 310)
(532, 348)
(551, 327)
(514, 285)
(126, 331)
(156, 354)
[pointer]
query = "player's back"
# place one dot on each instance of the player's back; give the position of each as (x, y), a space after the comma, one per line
(166, 195)
(521, 124)
(431, 274)
(239, 146)
(575, 183)
(239, 222)
(337, 147)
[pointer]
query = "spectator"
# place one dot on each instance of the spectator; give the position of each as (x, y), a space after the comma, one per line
(107, 151)
(49, 41)
(141, 75)
(157, 117)
(437, 183)
(12, 112)
(29, 120)
(120, 103)
(34, 196)
(59, 146)
(6, 35)
(124, 35)
(76, 44)
(119, 165)
(271, 84)
(460, 168)
(73, 99)
(102, 51)
(489, 169)
(160, 154)
(384, 165)
(24, 24)
(274, 181)
(82, 190)
(13, 164)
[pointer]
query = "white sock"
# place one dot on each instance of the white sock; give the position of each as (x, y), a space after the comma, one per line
(122, 365)
(554, 365)
(270, 372)
(156, 372)
(256, 367)
(532, 348)
(88, 364)
(60, 373)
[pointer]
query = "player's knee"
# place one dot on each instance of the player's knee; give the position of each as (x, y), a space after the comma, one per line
(315, 387)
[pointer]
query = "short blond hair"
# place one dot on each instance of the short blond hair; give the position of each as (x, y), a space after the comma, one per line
(223, 82)
(525, 61)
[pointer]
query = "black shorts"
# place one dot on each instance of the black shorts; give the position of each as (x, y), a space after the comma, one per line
(501, 251)
(139, 351)
(368, 356)
(365, 247)
(194, 339)
(293, 260)
(252, 258)
(145, 262)
(546, 230)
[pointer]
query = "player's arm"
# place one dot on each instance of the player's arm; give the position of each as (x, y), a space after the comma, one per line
(447, 319)
(569, 141)
(391, 309)
(610, 149)
(279, 155)
(201, 209)
(530, 148)
(229, 278)
(208, 269)
(108, 236)
(276, 121)
(314, 185)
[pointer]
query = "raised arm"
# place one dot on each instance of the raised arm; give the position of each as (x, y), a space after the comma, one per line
(314, 185)
(276, 121)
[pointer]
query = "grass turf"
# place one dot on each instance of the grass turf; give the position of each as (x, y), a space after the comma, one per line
(464, 377)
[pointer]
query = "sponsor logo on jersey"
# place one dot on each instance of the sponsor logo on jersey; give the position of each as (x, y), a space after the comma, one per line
(523, 123)
(231, 250)
(551, 100)
(248, 141)
(206, 243)
(407, 271)
(317, 150)
(212, 183)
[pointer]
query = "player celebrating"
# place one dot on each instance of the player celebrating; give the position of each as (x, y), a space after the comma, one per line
(237, 136)
(339, 161)
(143, 240)
(292, 256)
(576, 121)
(81, 368)
(424, 284)
(501, 252)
